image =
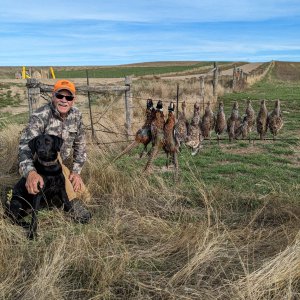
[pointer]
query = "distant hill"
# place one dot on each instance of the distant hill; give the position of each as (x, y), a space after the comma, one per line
(287, 71)
(136, 69)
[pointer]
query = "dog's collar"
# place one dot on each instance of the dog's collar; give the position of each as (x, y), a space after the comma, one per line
(48, 163)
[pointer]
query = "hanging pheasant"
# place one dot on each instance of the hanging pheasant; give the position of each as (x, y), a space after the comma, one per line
(182, 126)
(195, 138)
(275, 121)
(143, 135)
(233, 122)
(208, 122)
(248, 121)
(157, 134)
(171, 146)
(262, 120)
(220, 125)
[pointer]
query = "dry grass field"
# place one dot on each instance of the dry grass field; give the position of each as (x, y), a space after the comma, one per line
(228, 229)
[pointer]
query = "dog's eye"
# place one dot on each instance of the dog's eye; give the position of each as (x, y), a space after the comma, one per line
(47, 142)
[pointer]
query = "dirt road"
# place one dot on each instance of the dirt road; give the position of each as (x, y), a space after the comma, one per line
(246, 69)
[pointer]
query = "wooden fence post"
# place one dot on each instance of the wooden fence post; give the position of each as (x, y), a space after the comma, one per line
(128, 106)
(90, 105)
(234, 78)
(177, 100)
(202, 90)
(215, 79)
(34, 91)
(242, 74)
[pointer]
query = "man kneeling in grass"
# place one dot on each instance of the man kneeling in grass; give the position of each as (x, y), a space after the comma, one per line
(59, 117)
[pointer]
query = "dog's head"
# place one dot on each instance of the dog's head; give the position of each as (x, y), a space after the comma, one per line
(46, 146)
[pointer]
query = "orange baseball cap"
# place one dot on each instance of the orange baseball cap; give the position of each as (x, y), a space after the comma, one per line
(64, 84)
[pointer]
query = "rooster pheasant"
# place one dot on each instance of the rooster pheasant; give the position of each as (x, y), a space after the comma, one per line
(233, 122)
(157, 134)
(247, 122)
(195, 138)
(171, 146)
(208, 121)
(164, 138)
(220, 125)
(275, 121)
(262, 120)
(182, 125)
(143, 135)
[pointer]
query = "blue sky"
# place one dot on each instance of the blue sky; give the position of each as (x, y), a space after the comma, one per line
(90, 32)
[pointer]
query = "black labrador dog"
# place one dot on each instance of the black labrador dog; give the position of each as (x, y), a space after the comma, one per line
(53, 194)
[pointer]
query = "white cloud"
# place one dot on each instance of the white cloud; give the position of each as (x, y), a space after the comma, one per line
(149, 10)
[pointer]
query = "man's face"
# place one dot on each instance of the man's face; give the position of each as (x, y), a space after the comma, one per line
(61, 103)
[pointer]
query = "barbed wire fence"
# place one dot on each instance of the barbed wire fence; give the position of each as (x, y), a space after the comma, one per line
(38, 91)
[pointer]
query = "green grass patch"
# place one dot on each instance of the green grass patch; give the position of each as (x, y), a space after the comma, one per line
(252, 173)
(118, 72)
(6, 99)
(8, 118)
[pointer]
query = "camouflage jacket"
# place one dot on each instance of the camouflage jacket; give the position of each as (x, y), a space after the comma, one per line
(47, 120)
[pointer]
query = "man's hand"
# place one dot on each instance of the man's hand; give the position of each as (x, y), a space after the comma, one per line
(76, 181)
(34, 181)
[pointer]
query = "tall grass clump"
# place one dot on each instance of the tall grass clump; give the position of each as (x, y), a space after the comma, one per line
(278, 278)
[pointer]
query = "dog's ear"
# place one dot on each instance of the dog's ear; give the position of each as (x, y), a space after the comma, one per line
(58, 141)
(31, 145)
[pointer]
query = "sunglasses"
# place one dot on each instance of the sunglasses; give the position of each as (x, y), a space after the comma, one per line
(60, 96)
